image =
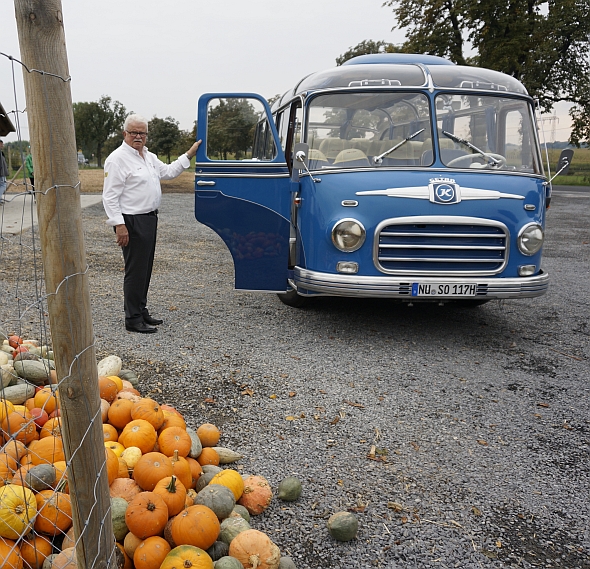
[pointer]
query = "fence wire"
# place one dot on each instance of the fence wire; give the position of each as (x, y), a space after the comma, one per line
(36, 518)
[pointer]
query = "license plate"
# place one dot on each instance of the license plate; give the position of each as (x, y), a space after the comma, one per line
(443, 289)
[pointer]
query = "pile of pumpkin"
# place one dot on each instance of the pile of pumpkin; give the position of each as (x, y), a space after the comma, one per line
(172, 505)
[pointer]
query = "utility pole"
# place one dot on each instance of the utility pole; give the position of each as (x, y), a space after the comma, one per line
(53, 144)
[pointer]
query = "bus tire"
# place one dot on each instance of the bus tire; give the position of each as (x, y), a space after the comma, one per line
(293, 299)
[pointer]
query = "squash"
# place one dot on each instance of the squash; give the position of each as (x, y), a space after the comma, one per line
(123, 469)
(41, 477)
(35, 372)
(343, 526)
(232, 479)
(131, 543)
(10, 555)
(130, 376)
(104, 410)
(146, 515)
(196, 470)
(111, 365)
(18, 394)
(126, 562)
(112, 464)
(208, 434)
(118, 509)
(173, 492)
(65, 560)
(208, 456)
(197, 525)
(34, 549)
(172, 419)
(207, 468)
(69, 539)
(107, 388)
(151, 553)
(239, 510)
(226, 455)
(257, 495)
(196, 446)
(54, 512)
(47, 451)
(15, 426)
(255, 550)
(148, 410)
(18, 508)
(217, 550)
(46, 399)
(139, 433)
(218, 498)
(125, 488)
(289, 489)
(168, 532)
(204, 480)
(287, 563)
(228, 562)
(151, 468)
(51, 428)
(182, 469)
(187, 557)
(174, 440)
(131, 455)
(230, 527)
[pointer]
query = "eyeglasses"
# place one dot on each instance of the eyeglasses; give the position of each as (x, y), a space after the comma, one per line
(135, 133)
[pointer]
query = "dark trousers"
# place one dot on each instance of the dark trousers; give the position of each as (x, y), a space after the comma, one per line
(139, 260)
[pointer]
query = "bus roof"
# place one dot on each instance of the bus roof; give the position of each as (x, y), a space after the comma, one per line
(391, 70)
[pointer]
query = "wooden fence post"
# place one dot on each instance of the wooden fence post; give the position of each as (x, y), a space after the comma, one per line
(53, 144)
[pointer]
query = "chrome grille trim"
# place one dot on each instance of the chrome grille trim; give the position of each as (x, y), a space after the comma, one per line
(466, 240)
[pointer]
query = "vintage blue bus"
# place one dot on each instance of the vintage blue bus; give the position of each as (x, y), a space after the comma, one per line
(394, 176)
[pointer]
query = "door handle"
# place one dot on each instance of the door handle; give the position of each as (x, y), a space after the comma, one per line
(205, 183)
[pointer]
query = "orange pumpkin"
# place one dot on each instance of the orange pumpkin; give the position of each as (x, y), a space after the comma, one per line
(120, 413)
(254, 548)
(109, 432)
(104, 410)
(125, 488)
(139, 433)
(182, 470)
(128, 564)
(150, 553)
(257, 495)
(65, 560)
(47, 450)
(19, 475)
(123, 469)
(208, 434)
(54, 512)
(208, 456)
(148, 410)
(174, 439)
(52, 428)
(10, 554)
(15, 449)
(19, 427)
(173, 492)
(34, 549)
(151, 468)
(197, 525)
(46, 399)
(146, 515)
(107, 388)
(196, 470)
(187, 556)
(172, 419)
(112, 464)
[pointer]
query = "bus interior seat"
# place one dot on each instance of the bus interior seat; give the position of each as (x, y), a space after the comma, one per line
(330, 147)
(351, 157)
(317, 159)
(361, 143)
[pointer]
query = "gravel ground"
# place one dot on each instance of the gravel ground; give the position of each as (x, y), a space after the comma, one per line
(480, 418)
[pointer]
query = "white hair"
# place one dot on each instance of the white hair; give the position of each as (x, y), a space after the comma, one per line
(134, 119)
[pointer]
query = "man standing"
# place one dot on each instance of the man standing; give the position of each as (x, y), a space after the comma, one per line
(3, 172)
(131, 197)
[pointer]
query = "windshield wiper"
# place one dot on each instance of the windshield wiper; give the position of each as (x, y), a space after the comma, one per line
(491, 160)
(379, 159)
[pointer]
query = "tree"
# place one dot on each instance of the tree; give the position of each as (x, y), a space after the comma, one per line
(544, 44)
(164, 135)
(366, 47)
(230, 128)
(95, 122)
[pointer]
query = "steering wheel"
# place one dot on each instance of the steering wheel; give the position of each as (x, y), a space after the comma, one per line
(469, 157)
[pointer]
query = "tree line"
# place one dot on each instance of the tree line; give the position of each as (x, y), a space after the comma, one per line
(99, 130)
(544, 44)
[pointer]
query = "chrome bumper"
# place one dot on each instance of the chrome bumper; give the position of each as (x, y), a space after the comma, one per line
(315, 283)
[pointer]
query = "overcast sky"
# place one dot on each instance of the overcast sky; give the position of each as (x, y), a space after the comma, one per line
(157, 57)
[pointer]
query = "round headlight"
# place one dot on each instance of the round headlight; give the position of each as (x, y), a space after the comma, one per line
(530, 239)
(348, 235)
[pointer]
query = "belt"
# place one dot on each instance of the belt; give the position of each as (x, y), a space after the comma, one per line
(155, 212)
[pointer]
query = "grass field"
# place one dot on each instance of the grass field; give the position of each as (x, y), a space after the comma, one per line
(579, 173)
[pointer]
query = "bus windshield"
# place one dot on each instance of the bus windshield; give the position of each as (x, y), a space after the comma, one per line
(495, 132)
(351, 130)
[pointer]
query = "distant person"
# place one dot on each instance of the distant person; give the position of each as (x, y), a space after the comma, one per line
(3, 172)
(131, 198)
(29, 173)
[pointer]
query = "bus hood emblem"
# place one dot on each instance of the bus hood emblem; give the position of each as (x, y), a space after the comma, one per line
(444, 191)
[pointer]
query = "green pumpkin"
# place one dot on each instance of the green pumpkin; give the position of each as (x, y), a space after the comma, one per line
(289, 489)
(218, 550)
(230, 527)
(118, 509)
(242, 512)
(129, 376)
(218, 498)
(343, 526)
(228, 562)
(286, 563)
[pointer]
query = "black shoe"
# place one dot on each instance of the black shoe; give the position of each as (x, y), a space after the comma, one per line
(153, 321)
(141, 327)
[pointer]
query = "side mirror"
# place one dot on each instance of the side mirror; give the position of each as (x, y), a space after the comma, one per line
(300, 153)
(565, 159)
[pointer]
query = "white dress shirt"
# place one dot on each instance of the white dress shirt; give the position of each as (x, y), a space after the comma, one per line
(132, 182)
